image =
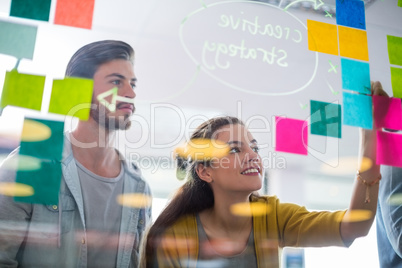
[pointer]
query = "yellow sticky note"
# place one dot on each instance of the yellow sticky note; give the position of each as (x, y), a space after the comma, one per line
(203, 149)
(35, 131)
(353, 43)
(71, 96)
(134, 200)
(250, 209)
(15, 189)
(322, 37)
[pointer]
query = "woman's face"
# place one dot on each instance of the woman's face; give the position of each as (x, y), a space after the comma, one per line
(241, 170)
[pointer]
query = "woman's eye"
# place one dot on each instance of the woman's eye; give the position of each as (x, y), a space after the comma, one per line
(256, 149)
(133, 86)
(116, 82)
(234, 150)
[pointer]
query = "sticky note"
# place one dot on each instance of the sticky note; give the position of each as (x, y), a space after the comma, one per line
(396, 81)
(75, 13)
(50, 148)
(15, 189)
(350, 13)
(35, 131)
(291, 135)
(357, 110)
(22, 162)
(356, 75)
(70, 96)
(17, 40)
(389, 149)
(22, 90)
(31, 9)
(399, 3)
(326, 119)
(202, 150)
(353, 43)
(394, 49)
(45, 180)
(322, 37)
(387, 112)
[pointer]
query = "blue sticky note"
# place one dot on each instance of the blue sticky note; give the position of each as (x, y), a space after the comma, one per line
(357, 110)
(326, 119)
(350, 13)
(356, 76)
(17, 40)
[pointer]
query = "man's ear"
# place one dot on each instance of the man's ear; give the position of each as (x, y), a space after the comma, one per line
(204, 172)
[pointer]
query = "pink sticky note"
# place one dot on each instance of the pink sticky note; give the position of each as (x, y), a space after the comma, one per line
(387, 112)
(291, 135)
(389, 149)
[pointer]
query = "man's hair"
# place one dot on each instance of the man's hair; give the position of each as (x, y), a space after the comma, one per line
(86, 61)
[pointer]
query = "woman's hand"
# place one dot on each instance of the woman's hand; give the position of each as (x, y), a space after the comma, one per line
(365, 193)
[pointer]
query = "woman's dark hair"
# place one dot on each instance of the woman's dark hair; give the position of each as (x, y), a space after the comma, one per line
(193, 197)
(86, 61)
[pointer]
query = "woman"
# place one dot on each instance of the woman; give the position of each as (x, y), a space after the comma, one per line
(199, 228)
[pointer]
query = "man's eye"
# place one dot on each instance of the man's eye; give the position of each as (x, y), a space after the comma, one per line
(234, 150)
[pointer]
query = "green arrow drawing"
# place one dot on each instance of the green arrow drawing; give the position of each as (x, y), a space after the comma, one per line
(316, 5)
(112, 105)
(332, 90)
(303, 106)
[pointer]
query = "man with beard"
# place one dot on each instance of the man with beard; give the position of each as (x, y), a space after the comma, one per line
(92, 228)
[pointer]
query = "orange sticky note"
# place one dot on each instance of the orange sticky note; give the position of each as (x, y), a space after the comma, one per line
(353, 43)
(322, 37)
(75, 13)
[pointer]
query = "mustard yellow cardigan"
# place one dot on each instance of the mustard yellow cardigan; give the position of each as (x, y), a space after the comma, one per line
(283, 225)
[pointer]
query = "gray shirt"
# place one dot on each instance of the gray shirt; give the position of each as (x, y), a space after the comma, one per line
(37, 235)
(208, 257)
(102, 215)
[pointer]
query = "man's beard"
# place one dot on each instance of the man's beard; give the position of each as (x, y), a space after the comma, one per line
(100, 115)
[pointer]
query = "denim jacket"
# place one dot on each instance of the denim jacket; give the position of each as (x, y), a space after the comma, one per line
(35, 235)
(389, 218)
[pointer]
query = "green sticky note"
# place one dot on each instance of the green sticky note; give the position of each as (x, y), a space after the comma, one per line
(49, 148)
(46, 180)
(396, 81)
(72, 96)
(326, 119)
(31, 9)
(394, 49)
(399, 3)
(22, 90)
(17, 40)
